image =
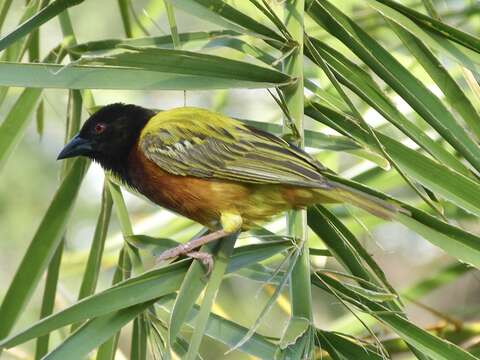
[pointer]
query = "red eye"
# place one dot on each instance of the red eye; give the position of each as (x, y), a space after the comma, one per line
(99, 128)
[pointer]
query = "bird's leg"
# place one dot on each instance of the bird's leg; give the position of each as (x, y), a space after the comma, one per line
(184, 249)
(230, 222)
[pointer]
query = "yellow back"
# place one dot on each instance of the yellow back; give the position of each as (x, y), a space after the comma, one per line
(191, 121)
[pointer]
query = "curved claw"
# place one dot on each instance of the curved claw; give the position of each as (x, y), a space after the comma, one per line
(205, 258)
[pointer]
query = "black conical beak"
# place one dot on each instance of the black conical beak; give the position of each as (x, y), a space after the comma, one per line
(76, 147)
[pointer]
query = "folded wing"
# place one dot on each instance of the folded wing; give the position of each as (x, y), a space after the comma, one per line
(196, 142)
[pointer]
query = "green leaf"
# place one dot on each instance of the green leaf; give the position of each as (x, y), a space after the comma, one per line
(17, 50)
(291, 259)
(349, 251)
(439, 42)
(16, 122)
(295, 329)
(436, 26)
(340, 347)
(360, 82)
(376, 296)
(140, 69)
(41, 249)
(195, 279)
(47, 13)
(147, 286)
(466, 250)
(225, 331)
(326, 226)
(454, 94)
(432, 229)
(221, 13)
(191, 63)
(427, 343)
(453, 186)
(313, 139)
(422, 100)
(157, 41)
(78, 345)
(255, 253)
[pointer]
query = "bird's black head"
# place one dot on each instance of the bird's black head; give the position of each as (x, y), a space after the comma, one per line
(108, 136)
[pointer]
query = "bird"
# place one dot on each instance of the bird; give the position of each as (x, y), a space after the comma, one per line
(211, 168)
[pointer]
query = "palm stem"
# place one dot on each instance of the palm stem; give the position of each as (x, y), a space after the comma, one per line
(300, 288)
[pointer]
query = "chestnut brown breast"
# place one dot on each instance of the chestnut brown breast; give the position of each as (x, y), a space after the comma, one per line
(201, 200)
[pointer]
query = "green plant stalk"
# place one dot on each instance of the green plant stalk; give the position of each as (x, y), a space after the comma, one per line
(40, 118)
(120, 209)
(94, 262)
(127, 258)
(34, 46)
(125, 14)
(67, 30)
(300, 282)
(138, 27)
(108, 349)
(32, 42)
(173, 24)
(192, 286)
(220, 267)
(431, 9)
(123, 271)
(48, 300)
(4, 11)
(138, 349)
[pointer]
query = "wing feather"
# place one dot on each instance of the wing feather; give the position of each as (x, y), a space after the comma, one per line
(196, 142)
